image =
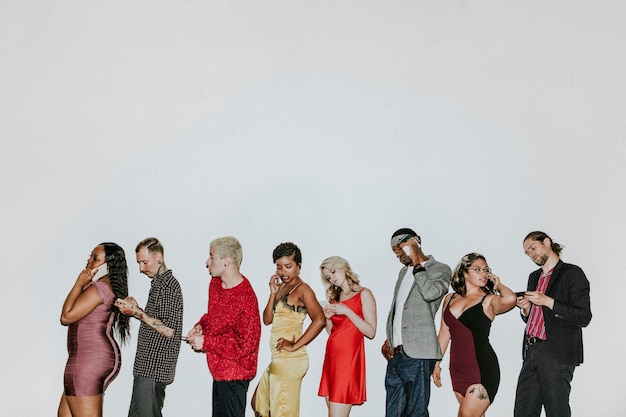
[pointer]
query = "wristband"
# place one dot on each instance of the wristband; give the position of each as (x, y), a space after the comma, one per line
(418, 268)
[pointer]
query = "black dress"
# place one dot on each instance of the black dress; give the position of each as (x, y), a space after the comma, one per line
(472, 359)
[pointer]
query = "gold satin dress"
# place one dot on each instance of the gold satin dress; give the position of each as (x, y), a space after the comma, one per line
(278, 392)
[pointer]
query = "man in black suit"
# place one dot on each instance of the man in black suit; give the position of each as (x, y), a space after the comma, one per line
(555, 307)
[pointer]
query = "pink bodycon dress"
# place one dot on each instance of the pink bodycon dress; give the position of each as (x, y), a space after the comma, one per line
(94, 356)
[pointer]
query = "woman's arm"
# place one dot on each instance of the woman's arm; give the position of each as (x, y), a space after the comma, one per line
(268, 311)
(367, 324)
(78, 303)
(318, 321)
(328, 313)
(444, 340)
(504, 299)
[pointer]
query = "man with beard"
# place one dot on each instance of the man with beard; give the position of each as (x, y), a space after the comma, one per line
(160, 332)
(555, 307)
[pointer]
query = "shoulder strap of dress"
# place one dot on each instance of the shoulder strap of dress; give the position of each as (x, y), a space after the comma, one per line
(293, 289)
(447, 305)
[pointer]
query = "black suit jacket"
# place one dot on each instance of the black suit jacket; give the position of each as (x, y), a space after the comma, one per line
(572, 311)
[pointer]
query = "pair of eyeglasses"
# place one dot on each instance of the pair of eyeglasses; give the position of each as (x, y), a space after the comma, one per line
(478, 270)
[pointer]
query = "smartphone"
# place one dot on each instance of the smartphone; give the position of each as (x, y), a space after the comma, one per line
(520, 293)
(489, 285)
(102, 271)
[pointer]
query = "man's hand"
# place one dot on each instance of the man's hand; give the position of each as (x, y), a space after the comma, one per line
(128, 306)
(386, 350)
(196, 342)
(539, 299)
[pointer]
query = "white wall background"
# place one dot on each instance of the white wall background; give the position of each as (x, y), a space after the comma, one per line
(330, 124)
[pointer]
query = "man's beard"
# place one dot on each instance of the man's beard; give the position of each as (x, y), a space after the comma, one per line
(542, 260)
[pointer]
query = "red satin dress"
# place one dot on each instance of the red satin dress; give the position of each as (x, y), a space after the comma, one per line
(343, 373)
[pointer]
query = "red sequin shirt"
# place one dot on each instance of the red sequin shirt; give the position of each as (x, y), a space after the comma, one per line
(232, 330)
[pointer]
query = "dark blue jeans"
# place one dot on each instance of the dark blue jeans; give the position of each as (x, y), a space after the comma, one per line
(408, 386)
(543, 381)
(229, 398)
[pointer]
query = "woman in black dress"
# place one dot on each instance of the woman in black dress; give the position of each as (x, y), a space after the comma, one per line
(466, 320)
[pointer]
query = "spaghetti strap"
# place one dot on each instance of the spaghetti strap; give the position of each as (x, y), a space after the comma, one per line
(292, 290)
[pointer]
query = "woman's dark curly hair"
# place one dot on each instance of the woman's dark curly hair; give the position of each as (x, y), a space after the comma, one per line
(288, 249)
(458, 277)
(118, 276)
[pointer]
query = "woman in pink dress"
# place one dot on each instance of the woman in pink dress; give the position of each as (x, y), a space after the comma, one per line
(350, 316)
(94, 356)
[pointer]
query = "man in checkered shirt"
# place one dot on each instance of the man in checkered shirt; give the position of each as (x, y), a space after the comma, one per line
(160, 332)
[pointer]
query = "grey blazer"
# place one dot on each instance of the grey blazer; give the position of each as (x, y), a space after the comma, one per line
(419, 336)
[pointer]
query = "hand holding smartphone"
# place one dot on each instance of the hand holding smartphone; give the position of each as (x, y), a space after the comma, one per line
(102, 271)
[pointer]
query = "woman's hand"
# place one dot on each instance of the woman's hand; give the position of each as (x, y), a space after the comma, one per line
(495, 279)
(275, 283)
(85, 276)
(328, 312)
(284, 344)
(437, 375)
(335, 308)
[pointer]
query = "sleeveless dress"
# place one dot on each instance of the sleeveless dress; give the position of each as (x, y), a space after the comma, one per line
(278, 392)
(472, 359)
(343, 372)
(94, 356)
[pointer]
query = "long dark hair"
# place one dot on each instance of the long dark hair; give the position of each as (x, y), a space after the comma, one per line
(118, 276)
(458, 277)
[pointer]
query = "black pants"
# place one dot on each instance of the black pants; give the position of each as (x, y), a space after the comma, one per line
(148, 397)
(229, 398)
(543, 381)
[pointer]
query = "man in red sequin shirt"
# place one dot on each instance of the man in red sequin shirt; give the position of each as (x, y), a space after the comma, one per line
(230, 331)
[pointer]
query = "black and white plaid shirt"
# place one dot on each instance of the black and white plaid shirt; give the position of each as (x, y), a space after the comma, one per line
(157, 355)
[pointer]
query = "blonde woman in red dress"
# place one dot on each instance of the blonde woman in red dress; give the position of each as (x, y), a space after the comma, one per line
(350, 315)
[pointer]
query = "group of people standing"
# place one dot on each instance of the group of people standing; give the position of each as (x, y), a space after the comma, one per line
(99, 302)
(555, 306)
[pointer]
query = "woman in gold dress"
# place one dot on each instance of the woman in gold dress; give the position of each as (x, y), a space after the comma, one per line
(290, 300)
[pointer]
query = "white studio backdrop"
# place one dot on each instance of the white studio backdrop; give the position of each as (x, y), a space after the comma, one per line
(329, 125)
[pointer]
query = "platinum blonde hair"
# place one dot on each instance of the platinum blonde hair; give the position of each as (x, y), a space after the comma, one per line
(228, 247)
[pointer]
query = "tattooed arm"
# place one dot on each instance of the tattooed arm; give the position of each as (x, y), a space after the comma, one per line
(130, 307)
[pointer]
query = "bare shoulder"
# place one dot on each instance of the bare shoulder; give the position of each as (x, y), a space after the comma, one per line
(304, 291)
(366, 292)
(447, 298)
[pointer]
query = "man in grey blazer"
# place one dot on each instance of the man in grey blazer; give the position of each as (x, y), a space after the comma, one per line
(411, 348)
